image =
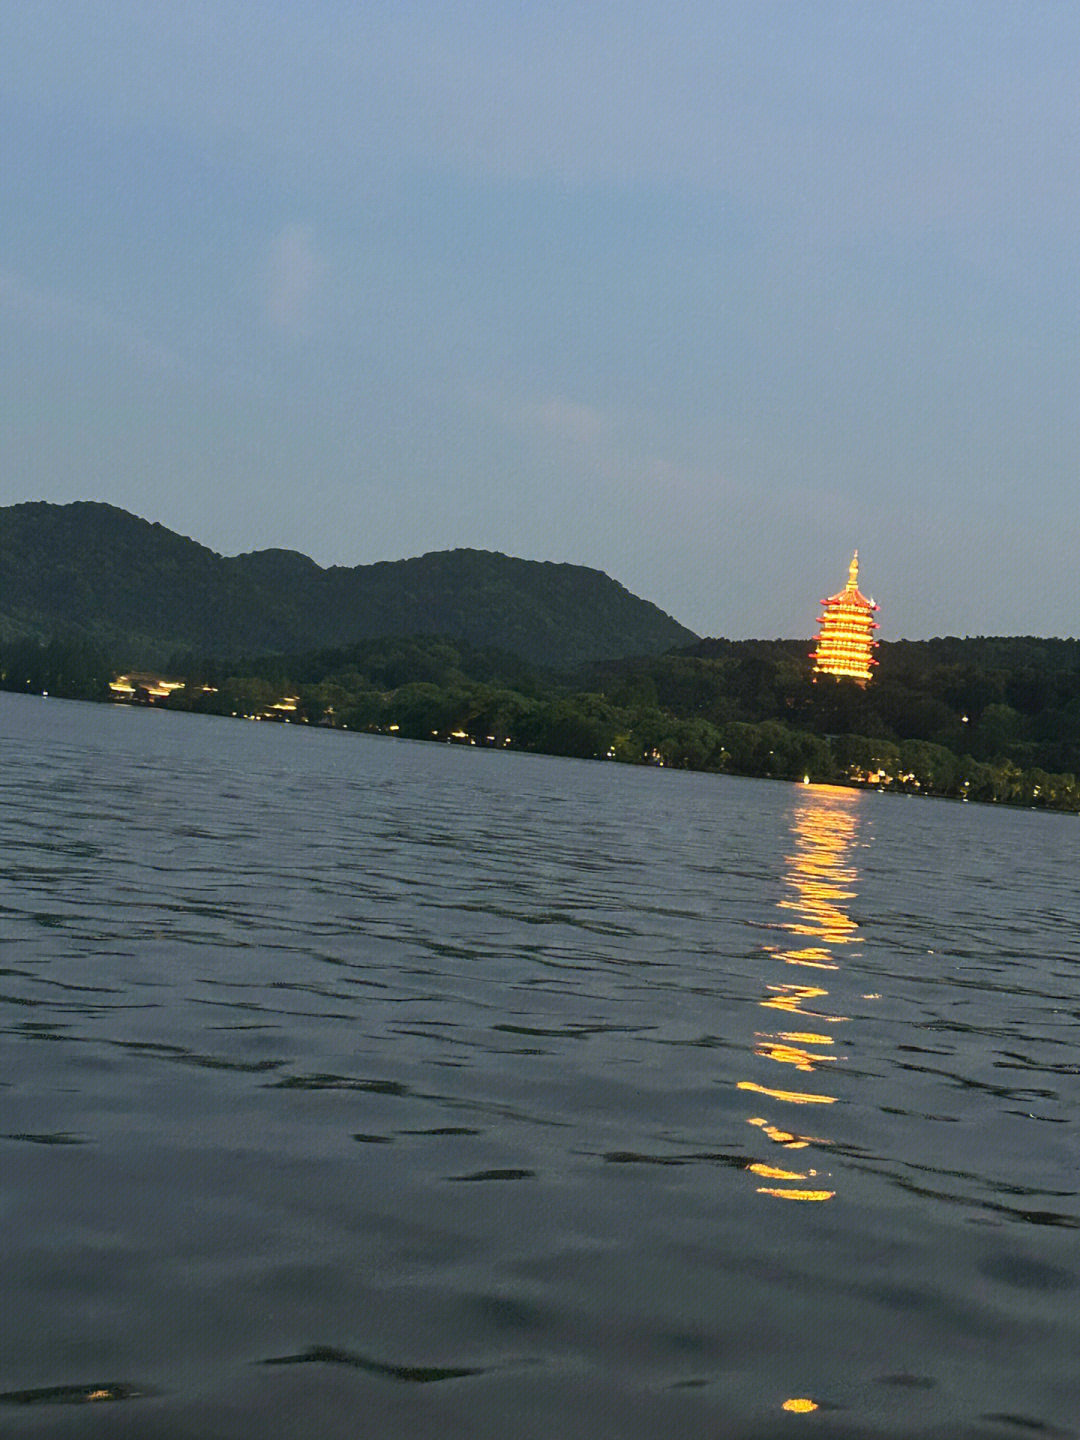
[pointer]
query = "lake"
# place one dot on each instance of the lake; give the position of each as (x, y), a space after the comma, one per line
(354, 1087)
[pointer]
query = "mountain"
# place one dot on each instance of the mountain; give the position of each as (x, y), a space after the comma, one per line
(93, 569)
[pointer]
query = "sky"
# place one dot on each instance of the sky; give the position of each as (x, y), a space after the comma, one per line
(703, 295)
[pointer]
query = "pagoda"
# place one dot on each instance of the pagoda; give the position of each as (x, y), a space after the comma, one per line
(845, 642)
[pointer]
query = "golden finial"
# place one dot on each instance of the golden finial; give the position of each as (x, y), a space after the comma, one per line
(853, 572)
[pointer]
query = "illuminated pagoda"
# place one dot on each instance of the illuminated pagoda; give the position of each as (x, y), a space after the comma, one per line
(845, 642)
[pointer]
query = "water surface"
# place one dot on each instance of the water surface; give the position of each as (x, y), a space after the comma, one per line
(357, 1087)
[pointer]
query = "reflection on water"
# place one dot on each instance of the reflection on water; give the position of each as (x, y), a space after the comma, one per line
(819, 881)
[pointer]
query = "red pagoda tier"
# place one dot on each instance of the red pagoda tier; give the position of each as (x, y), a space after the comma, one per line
(845, 642)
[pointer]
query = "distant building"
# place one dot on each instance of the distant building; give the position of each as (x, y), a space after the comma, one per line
(143, 687)
(845, 642)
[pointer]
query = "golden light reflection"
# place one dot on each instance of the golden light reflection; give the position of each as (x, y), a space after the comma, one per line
(819, 881)
(795, 1194)
(785, 1054)
(787, 1138)
(799, 1405)
(814, 957)
(790, 998)
(789, 1097)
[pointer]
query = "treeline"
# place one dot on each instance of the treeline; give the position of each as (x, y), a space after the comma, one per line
(74, 669)
(994, 719)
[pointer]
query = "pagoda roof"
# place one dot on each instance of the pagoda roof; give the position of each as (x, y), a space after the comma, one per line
(850, 597)
(851, 594)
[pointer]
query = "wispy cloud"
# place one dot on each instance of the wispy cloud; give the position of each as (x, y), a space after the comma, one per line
(559, 418)
(602, 444)
(293, 274)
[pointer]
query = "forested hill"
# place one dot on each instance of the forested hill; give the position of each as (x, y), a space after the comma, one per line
(94, 570)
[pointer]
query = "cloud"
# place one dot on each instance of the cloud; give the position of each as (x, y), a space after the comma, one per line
(293, 274)
(562, 419)
(605, 445)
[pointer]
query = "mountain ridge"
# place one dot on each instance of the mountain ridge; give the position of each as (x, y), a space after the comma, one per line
(92, 568)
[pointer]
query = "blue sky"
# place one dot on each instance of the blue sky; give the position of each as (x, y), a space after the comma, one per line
(701, 294)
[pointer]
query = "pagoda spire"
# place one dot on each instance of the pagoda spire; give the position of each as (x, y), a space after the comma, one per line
(853, 572)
